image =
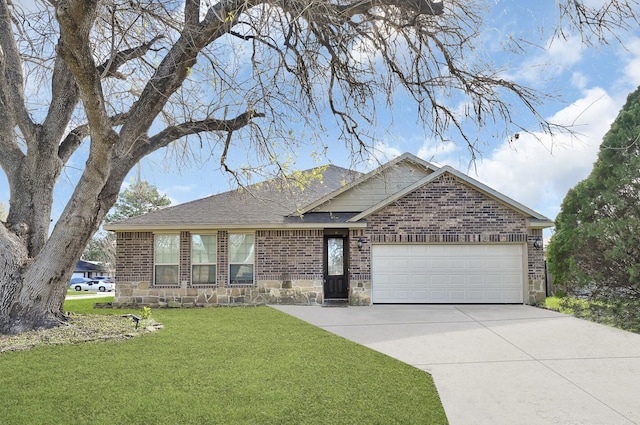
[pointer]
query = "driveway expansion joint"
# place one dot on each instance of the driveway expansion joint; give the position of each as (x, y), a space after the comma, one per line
(548, 367)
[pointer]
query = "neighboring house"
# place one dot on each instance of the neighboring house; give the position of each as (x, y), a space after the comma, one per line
(88, 269)
(407, 232)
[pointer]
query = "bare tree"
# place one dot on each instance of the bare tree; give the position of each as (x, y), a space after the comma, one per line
(121, 79)
(598, 22)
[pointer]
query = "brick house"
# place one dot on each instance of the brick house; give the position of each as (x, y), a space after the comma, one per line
(407, 232)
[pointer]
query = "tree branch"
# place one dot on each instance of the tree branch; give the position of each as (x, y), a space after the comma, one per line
(176, 132)
(11, 78)
(71, 142)
(110, 67)
(191, 13)
(65, 90)
(76, 18)
(421, 7)
(174, 68)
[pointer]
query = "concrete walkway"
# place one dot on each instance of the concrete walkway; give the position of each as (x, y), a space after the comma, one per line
(508, 364)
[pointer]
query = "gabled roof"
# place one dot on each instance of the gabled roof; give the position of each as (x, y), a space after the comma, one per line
(535, 219)
(281, 203)
(266, 204)
(363, 178)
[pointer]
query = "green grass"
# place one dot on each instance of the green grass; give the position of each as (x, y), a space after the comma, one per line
(72, 292)
(214, 366)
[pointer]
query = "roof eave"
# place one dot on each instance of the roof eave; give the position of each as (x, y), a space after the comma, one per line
(248, 226)
(540, 224)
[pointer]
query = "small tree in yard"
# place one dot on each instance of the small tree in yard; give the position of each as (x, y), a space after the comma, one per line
(137, 199)
(116, 80)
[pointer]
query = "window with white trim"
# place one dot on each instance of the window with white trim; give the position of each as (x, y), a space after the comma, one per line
(204, 250)
(166, 259)
(241, 249)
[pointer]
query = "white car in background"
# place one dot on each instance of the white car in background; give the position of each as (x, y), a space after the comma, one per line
(85, 284)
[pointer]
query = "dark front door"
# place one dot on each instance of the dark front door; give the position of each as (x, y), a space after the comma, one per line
(336, 285)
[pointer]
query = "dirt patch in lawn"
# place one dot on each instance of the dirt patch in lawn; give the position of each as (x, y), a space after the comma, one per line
(80, 328)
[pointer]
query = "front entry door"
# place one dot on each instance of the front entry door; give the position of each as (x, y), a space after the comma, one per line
(336, 284)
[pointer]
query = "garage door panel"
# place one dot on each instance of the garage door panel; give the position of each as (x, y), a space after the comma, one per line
(438, 263)
(447, 273)
(477, 296)
(438, 296)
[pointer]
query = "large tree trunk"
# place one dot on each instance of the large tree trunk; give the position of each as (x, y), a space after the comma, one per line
(26, 301)
(35, 267)
(32, 290)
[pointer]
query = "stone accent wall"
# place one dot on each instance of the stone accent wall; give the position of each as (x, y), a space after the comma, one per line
(359, 271)
(536, 272)
(135, 294)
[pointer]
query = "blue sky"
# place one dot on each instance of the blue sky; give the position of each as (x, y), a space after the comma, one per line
(590, 85)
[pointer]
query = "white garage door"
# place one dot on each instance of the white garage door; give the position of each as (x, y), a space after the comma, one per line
(447, 273)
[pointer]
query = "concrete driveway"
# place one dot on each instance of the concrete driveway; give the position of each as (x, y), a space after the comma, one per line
(507, 364)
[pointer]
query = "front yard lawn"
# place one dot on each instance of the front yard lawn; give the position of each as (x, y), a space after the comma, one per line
(214, 366)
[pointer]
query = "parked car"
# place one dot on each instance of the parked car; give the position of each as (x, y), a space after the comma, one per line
(91, 285)
(75, 280)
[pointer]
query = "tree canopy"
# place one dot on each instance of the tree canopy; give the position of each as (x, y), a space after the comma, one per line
(138, 198)
(596, 245)
(108, 82)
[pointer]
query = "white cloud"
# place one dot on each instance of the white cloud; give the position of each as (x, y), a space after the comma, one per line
(538, 169)
(178, 194)
(564, 53)
(559, 55)
(433, 151)
(380, 154)
(579, 80)
(632, 62)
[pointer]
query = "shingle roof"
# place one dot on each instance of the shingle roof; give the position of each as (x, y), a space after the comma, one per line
(270, 202)
(87, 266)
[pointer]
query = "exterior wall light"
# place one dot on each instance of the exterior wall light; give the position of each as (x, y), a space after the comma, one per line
(537, 244)
(360, 243)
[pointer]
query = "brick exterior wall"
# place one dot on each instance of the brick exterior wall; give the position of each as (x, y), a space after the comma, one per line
(287, 253)
(134, 256)
(223, 258)
(288, 266)
(288, 269)
(446, 210)
(185, 259)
